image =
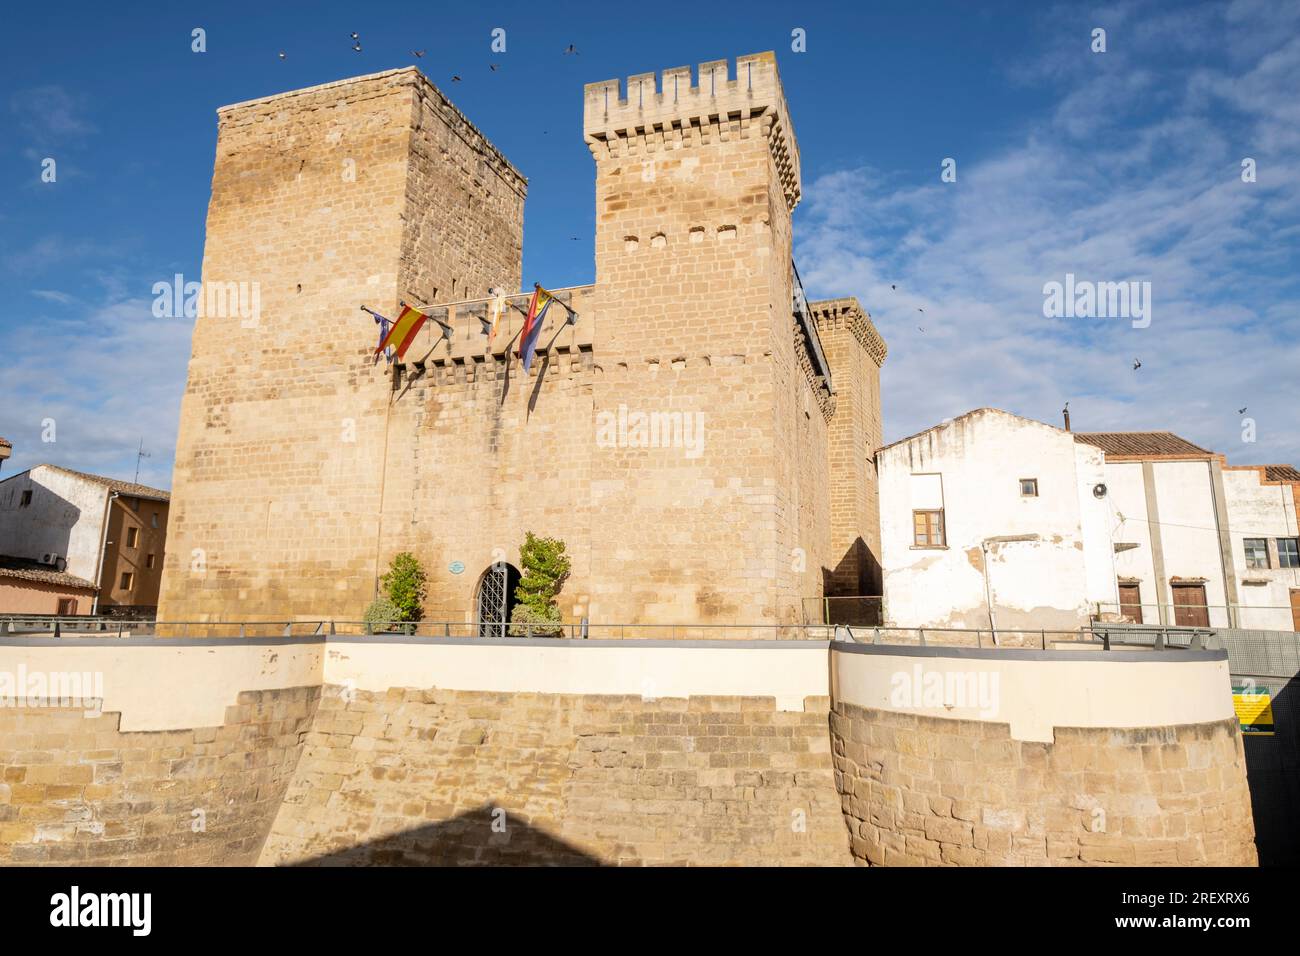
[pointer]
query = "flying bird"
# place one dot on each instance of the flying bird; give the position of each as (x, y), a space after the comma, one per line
(493, 67)
(455, 77)
(1242, 411)
(571, 49)
(356, 47)
(1137, 364)
(417, 53)
(919, 329)
(356, 36)
(282, 54)
(894, 287)
(920, 310)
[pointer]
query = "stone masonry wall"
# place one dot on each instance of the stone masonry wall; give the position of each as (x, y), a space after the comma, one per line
(362, 192)
(856, 352)
(929, 791)
(75, 790)
(420, 776)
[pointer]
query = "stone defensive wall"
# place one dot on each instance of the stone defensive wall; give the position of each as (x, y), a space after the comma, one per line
(334, 750)
(1003, 757)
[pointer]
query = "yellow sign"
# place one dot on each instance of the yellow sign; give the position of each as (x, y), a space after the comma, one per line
(1254, 709)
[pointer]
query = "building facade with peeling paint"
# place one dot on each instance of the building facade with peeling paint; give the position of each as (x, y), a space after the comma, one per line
(990, 520)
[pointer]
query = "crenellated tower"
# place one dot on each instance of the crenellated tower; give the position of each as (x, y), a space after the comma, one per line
(696, 179)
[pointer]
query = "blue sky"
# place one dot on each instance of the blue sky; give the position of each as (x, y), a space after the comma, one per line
(1115, 166)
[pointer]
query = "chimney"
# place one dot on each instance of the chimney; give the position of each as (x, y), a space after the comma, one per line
(1066, 412)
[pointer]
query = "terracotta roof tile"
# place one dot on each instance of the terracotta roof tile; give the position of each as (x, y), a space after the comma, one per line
(1281, 473)
(121, 487)
(1143, 444)
(28, 570)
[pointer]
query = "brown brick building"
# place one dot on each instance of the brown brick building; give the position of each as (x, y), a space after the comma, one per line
(700, 436)
(76, 543)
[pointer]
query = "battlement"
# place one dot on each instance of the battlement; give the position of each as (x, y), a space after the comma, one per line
(669, 111)
(467, 320)
(846, 314)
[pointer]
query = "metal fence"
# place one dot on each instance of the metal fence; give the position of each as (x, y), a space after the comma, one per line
(1248, 616)
(858, 611)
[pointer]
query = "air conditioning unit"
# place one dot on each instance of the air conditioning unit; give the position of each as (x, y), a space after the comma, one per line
(51, 559)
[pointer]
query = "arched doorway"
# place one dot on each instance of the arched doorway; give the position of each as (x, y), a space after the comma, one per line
(494, 598)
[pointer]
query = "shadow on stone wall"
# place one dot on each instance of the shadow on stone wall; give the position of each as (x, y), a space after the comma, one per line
(1273, 775)
(482, 837)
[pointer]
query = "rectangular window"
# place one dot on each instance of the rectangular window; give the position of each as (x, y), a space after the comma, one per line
(927, 529)
(128, 579)
(67, 607)
(1288, 552)
(135, 504)
(148, 561)
(153, 520)
(1256, 552)
(1028, 487)
(132, 537)
(27, 499)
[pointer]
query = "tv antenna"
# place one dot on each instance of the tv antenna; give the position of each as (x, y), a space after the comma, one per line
(140, 453)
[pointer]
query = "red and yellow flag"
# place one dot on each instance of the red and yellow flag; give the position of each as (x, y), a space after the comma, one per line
(402, 334)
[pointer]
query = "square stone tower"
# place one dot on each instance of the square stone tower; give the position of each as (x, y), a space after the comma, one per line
(362, 192)
(696, 179)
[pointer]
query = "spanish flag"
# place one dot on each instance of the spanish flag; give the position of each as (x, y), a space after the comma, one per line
(402, 334)
(533, 324)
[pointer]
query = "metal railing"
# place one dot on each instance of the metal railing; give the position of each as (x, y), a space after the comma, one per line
(1103, 635)
(859, 610)
(1272, 616)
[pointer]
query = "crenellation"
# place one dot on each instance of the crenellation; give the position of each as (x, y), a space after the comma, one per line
(669, 111)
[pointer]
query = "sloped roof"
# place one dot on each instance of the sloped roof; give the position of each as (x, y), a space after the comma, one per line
(961, 418)
(6, 442)
(1281, 473)
(1143, 444)
(121, 487)
(28, 570)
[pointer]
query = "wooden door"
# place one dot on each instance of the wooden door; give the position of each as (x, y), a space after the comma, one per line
(1295, 608)
(1190, 608)
(1130, 603)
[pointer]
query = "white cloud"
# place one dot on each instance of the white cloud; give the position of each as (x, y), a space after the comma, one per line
(106, 377)
(1110, 192)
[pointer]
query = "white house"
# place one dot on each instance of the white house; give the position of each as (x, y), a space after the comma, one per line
(993, 520)
(990, 520)
(1199, 542)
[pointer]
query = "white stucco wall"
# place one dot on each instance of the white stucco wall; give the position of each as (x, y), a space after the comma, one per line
(1126, 502)
(66, 517)
(1035, 696)
(1189, 530)
(1047, 581)
(1257, 510)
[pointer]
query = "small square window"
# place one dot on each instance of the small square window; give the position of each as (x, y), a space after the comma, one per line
(1028, 487)
(128, 579)
(1256, 552)
(132, 537)
(148, 561)
(1288, 552)
(927, 529)
(26, 500)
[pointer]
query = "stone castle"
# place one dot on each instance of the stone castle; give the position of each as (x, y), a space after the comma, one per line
(700, 437)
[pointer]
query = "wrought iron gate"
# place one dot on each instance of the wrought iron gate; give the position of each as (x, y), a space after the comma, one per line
(493, 612)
